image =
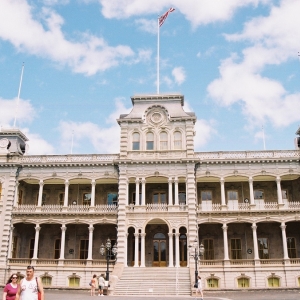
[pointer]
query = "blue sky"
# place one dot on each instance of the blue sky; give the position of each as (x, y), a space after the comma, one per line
(236, 62)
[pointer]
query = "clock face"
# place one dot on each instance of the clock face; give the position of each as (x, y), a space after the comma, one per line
(4, 143)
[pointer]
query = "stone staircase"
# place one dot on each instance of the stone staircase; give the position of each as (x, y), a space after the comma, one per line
(154, 281)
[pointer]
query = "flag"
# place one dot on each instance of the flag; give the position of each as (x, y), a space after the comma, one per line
(162, 19)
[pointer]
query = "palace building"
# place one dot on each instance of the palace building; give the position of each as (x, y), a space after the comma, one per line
(159, 202)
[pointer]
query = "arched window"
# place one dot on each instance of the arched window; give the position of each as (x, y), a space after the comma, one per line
(150, 141)
(177, 140)
(273, 282)
(74, 281)
(243, 282)
(213, 283)
(163, 140)
(136, 141)
(46, 280)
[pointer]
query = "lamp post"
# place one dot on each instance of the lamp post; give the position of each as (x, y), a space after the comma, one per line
(109, 251)
(196, 257)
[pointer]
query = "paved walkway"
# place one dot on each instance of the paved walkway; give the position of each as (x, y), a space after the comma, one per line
(216, 295)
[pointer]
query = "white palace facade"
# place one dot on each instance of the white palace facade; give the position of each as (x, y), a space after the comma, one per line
(153, 200)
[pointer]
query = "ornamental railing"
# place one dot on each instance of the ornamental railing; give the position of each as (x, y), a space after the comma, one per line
(157, 207)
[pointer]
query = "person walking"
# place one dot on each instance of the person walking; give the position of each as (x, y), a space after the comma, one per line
(11, 288)
(101, 285)
(199, 288)
(30, 286)
(94, 284)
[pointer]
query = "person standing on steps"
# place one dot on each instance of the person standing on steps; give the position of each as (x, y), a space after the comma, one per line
(199, 288)
(29, 286)
(101, 285)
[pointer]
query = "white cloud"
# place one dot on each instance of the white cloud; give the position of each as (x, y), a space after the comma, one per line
(102, 139)
(204, 132)
(35, 36)
(196, 11)
(24, 111)
(179, 75)
(147, 25)
(241, 80)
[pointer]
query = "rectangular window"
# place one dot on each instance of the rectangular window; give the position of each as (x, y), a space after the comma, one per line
(182, 197)
(159, 197)
(212, 283)
(291, 245)
(135, 145)
(259, 194)
(149, 145)
(57, 249)
(112, 198)
(263, 248)
(233, 195)
(14, 247)
(206, 195)
(236, 248)
(133, 198)
(61, 198)
(87, 198)
(84, 248)
(209, 253)
(31, 248)
(74, 282)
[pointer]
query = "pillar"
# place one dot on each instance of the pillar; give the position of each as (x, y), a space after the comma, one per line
(36, 241)
(40, 198)
(251, 191)
(10, 241)
(255, 246)
(136, 250)
(171, 250)
(143, 191)
(176, 191)
(93, 193)
(143, 235)
(90, 251)
(62, 241)
(137, 191)
(225, 239)
(177, 265)
(279, 193)
(16, 194)
(170, 191)
(285, 250)
(66, 199)
(223, 199)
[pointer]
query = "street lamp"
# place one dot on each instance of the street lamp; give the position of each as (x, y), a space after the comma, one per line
(196, 257)
(109, 251)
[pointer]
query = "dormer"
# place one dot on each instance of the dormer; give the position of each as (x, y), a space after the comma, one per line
(157, 127)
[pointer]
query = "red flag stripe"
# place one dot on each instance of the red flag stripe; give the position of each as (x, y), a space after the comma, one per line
(164, 16)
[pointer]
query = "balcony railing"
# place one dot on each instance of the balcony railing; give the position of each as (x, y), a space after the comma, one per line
(156, 207)
(248, 262)
(54, 208)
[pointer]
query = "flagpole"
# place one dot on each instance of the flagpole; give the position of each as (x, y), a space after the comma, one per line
(157, 55)
(18, 99)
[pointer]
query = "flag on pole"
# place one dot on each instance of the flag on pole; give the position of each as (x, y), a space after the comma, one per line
(162, 19)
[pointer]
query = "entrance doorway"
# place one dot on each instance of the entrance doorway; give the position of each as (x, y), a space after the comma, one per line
(159, 250)
(183, 250)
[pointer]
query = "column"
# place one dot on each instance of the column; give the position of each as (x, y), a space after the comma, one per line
(62, 241)
(143, 191)
(93, 193)
(66, 199)
(143, 249)
(255, 246)
(16, 194)
(279, 193)
(285, 250)
(171, 250)
(10, 242)
(126, 250)
(90, 251)
(225, 227)
(40, 198)
(170, 191)
(136, 250)
(223, 199)
(176, 191)
(137, 191)
(177, 265)
(251, 191)
(36, 241)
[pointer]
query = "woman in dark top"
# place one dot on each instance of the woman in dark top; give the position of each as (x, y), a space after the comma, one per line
(11, 288)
